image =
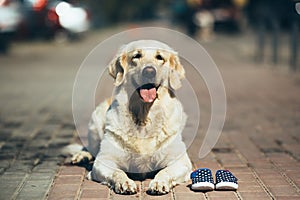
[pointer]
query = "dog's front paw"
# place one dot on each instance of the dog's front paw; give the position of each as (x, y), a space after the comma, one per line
(81, 157)
(126, 186)
(159, 187)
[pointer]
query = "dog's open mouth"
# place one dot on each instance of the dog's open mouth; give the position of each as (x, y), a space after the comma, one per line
(148, 92)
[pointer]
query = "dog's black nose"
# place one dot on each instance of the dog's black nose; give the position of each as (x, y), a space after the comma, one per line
(149, 72)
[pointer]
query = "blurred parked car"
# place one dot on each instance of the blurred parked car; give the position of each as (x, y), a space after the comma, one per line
(31, 19)
(69, 18)
(46, 19)
(10, 18)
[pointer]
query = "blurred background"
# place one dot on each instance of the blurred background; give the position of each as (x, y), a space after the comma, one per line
(69, 20)
(254, 43)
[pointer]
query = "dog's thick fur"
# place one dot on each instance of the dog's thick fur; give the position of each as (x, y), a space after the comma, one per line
(139, 134)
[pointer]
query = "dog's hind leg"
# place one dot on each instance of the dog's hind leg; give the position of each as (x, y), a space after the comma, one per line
(95, 134)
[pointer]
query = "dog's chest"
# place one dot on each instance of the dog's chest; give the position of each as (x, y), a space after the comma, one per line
(139, 139)
(142, 145)
(145, 139)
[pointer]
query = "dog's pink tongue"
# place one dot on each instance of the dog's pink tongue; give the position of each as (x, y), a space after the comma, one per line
(148, 95)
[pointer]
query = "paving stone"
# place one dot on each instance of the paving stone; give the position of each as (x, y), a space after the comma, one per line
(74, 170)
(63, 191)
(59, 142)
(35, 189)
(288, 197)
(47, 129)
(17, 138)
(36, 176)
(11, 147)
(55, 119)
(4, 163)
(7, 155)
(283, 190)
(130, 197)
(183, 188)
(23, 166)
(68, 126)
(5, 134)
(230, 160)
(224, 194)
(94, 193)
(13, 123)
(28, 128)
(9, 183)
(250, 187)
(93, 185)
(12, 182)
(189, 196)
(66, 133)
(29, 154)
(47, 166)
(254, 195)
(69, 179)
(7, 193)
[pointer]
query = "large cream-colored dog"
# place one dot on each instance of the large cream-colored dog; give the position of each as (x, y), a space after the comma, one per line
(139, 129)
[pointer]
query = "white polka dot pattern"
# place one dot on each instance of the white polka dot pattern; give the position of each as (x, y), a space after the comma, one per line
(202, 175)
(225, 176)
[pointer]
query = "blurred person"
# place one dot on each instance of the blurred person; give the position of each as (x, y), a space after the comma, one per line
(240, 6)
(192, 8)
(270, 17)
(204, 19)
(184, 12)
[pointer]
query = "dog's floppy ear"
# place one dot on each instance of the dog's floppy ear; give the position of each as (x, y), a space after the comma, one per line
(177, 72)
(118, 68)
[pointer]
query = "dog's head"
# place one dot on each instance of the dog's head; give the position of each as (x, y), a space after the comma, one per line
(147, 65)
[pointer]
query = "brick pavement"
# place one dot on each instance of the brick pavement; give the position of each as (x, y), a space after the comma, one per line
(259, 143)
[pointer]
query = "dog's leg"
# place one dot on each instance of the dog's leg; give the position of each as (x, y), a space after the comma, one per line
(87, 154)
(81, 157)
(107, 172)
(95, 135)
(170, 176)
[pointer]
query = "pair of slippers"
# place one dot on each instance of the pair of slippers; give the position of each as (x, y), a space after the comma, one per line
(202, 180)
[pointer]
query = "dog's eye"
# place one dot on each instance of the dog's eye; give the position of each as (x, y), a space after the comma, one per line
(159, 57)
(137, 56)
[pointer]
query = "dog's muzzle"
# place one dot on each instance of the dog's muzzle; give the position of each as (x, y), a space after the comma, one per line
(148, 89)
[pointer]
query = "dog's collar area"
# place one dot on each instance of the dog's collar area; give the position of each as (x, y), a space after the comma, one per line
(148, 92)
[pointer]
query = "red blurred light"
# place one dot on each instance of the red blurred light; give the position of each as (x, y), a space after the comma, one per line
(52, 16)
(89, 14)
(4, 2)
(39, 5)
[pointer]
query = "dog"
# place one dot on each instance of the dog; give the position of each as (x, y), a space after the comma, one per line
(139, 128)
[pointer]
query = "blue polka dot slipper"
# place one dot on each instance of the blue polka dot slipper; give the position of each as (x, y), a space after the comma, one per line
(202, 180)
(225, 180)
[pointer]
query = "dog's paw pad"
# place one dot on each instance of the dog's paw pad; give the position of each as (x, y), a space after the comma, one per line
(81, 157)
(126, 187)
(158, 187)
